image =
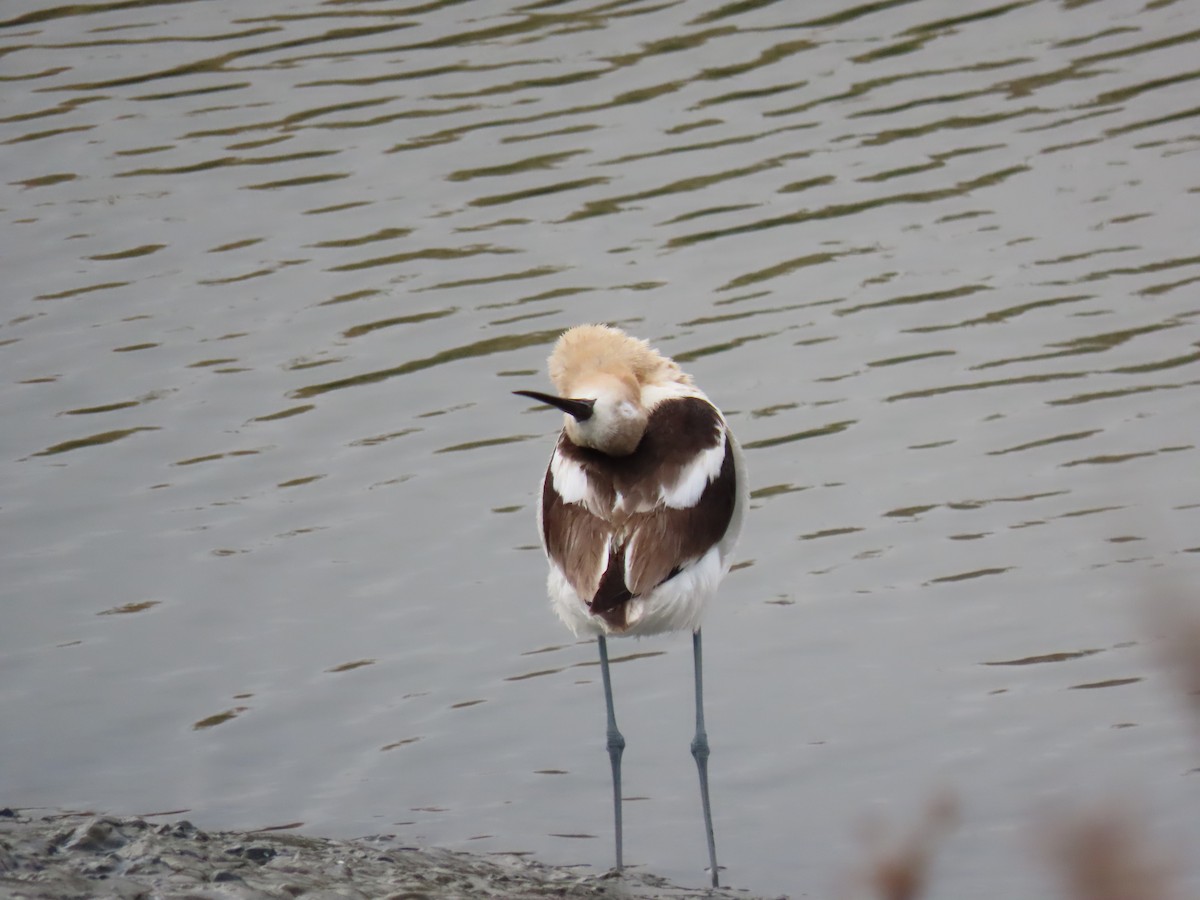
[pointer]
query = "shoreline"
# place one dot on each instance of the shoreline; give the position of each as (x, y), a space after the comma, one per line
(65, 855)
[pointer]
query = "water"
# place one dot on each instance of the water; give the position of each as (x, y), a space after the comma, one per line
(271, 272)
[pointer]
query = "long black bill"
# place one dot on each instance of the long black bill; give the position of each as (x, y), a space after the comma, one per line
(580, 409)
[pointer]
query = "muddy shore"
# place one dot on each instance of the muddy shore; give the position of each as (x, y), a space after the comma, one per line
(77, 855)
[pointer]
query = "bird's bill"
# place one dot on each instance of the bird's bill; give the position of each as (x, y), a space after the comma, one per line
(581, 410)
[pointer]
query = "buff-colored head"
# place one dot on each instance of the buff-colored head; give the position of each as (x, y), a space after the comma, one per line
(599, 373)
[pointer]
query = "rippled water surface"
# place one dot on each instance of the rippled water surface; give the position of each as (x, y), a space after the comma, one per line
(271, 271)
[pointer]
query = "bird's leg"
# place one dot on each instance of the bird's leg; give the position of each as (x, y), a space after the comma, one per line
(616, 744)
(700, 752)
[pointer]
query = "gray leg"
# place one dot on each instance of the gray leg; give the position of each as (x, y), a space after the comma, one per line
(616, 744)
(700, 752)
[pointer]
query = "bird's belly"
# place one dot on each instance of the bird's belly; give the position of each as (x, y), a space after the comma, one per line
(675, 605)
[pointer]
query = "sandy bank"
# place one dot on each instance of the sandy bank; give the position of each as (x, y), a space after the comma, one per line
(71, 856)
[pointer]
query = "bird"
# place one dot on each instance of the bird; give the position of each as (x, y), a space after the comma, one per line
(640, 511)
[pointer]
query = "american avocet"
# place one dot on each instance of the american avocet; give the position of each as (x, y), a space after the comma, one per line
(640, 508)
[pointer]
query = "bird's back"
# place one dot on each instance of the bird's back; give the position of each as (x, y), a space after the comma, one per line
(638, 543)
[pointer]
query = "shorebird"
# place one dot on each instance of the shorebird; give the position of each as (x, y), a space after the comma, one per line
(641, 507)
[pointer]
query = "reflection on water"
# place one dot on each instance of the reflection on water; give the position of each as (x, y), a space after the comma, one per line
(268, 508)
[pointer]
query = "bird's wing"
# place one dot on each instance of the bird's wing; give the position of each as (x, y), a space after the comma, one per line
(671, 537)
(575, 538)
(618, 527)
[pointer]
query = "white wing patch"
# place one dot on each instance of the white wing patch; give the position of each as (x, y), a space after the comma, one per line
(569, 479)
(695, 477)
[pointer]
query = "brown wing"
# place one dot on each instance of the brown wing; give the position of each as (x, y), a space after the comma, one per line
(667, 540)
(576, 540)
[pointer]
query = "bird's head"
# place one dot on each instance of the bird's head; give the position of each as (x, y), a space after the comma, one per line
(604, 414)
(598, 373)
